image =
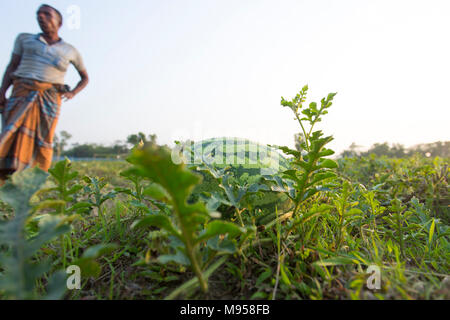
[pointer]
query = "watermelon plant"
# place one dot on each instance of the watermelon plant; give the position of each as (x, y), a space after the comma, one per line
(17, 248)
(309, 168)
(195, 234)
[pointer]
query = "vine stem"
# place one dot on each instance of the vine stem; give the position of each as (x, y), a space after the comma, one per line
(63, 250)
(400, 232)
(278, 258)
(191, 253)
(304, 131)
(240, 216)
(195, 266)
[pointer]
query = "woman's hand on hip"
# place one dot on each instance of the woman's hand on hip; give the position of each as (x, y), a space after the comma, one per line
(68, 95)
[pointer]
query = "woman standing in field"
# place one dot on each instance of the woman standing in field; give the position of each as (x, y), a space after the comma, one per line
(38, 65)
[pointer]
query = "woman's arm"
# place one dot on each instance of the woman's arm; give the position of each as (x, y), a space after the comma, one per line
(80, 86)
(7, 80)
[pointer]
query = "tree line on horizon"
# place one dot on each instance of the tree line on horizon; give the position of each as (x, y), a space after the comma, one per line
(120, 149)
(396, 150)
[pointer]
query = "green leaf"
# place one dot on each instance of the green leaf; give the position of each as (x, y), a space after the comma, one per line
(284, 277)
(313, 212)
(258, 296)
(218, 227)
(292, 174)
(188, 285)
(57, 286)
(156, 192)
(309, 193)
(157, 220)
(223, 246)
(328, 163)
(20, 188)
(74, 189)
(326, 152)
(256, 187)
(354, 211)
(179, 257)
(89, 267)
(290, 151)
(48, 232)
(99, 250)
(60, 171)
(331, 96)
(431, 232)
(139, 205)
(20, 282)
(213, 200)
(80, 207)
(263, 276)
(336, 261)
(304, 165)
(49, 204)
(321, 176)
(155, 163)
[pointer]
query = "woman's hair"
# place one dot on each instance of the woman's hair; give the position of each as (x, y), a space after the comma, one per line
(57, 12)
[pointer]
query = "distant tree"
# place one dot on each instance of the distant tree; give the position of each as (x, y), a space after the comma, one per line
(383, 149)
(56, 145)
(81, 151)
(60, 142)
(435, 149)
(152, 138)
(398, 151)
(379, 149)
(134, 139)
(352, 151)
(119, 147)
(92, 150)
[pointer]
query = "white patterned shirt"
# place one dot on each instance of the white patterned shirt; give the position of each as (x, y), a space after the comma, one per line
(43, 62)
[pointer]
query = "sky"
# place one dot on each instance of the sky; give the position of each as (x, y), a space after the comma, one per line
(197, 69)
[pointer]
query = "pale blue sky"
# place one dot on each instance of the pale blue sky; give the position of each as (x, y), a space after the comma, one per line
(197, 69)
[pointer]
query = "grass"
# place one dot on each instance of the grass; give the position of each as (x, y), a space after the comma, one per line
(392, 213)
(151, 229)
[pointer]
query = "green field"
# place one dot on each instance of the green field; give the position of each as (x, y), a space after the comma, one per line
(150, 228)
